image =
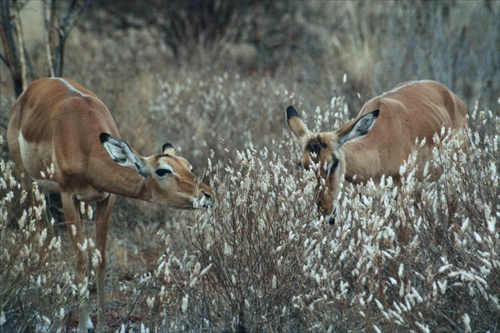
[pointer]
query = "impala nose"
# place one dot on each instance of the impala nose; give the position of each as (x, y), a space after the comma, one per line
(206, 200)
(331, 218)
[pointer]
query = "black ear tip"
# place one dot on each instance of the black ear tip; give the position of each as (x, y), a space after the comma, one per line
(167, 146)
(104, 137)
(291, 112)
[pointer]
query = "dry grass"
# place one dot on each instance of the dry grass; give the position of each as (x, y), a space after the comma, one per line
(423, 257)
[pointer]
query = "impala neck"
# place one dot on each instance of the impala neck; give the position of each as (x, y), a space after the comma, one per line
(360, 161)
(120, 180)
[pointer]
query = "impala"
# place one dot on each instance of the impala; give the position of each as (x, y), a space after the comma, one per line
(379, 139)
(58, 124)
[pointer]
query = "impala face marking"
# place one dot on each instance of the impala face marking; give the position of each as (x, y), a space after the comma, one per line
(168, 178)
(379, 139)
(322, 150)
(58, 123)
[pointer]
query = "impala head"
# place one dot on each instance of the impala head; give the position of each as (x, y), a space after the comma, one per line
(168, 178)
(323, 150)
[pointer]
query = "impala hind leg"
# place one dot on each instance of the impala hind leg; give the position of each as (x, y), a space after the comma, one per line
(74, 224)
(103, 223)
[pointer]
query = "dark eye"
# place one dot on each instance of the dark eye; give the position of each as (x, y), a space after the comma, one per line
(163, 172)
(314, 147)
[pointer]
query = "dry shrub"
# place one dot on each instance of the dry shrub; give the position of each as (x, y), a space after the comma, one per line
(242, 253)
(421, 257)
(37, 292)
(214, 109)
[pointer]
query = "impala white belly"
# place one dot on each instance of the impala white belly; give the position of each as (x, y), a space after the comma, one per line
(37, 161)
(90, 194)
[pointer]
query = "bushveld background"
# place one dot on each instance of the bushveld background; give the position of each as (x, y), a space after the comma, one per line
(214, 78)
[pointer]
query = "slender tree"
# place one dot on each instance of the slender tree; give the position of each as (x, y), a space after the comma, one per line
(59, 16)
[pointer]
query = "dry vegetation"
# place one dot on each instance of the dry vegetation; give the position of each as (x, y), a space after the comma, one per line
(423, 257)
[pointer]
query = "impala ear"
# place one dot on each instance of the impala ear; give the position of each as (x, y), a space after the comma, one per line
(122, 154)
(295, 124)
(168, 148)
(360, 128)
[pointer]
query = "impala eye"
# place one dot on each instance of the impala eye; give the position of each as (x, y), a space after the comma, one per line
(163, 172)
(314, 147)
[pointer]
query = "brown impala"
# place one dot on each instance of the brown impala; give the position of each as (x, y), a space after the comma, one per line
(58, 124)
(380, 138)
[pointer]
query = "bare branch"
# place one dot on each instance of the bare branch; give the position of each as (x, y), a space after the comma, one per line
(7, 32)
(22, 57)
(51, 30)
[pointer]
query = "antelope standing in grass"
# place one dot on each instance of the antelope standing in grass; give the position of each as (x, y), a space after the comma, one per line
(58, 124)
(379, 140)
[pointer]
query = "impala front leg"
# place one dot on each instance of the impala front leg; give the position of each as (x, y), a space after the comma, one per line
(73, 219)
(103, 223)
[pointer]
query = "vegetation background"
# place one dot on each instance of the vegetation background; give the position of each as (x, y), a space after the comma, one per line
(214, 78)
